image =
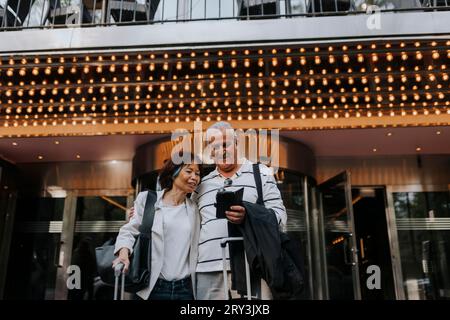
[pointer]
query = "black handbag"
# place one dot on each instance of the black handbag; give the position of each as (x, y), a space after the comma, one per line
(139, 271)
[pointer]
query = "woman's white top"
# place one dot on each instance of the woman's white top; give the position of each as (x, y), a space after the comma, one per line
(174, 237)
(177, 241)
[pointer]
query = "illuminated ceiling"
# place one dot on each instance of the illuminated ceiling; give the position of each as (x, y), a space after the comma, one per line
(348, 85)
(324, 143)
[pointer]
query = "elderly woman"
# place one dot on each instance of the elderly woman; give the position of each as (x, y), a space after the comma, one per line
(175, 233)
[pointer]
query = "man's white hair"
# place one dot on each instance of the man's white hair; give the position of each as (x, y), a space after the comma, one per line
(221, 126)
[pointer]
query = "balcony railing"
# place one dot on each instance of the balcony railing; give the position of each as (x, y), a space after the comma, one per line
(26, 14)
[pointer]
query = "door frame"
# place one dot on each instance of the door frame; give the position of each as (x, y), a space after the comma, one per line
(66, 244)
(345, 178)
(392, 229)
(309, 232)
(7, 218)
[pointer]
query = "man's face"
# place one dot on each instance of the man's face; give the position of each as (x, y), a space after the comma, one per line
(224, 151)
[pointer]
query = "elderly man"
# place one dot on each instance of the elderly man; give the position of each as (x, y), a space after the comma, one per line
(232, 174)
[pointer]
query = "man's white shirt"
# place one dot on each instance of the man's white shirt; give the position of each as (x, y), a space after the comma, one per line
(213, 229)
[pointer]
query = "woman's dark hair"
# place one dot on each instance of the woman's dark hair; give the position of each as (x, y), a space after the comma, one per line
(170, 170)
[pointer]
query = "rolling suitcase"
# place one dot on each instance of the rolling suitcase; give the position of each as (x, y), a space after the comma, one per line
(117, 274)
(223, 244)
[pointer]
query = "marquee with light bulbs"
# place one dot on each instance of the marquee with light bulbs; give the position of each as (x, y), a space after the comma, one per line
(373, 84)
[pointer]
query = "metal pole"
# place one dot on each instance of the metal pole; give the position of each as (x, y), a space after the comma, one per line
(247, 278)
(225, 278)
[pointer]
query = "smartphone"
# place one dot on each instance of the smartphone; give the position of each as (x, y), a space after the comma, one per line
(226, 199)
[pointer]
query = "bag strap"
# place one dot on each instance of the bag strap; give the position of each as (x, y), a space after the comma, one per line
(145, 228)
(149, 213)
(257, 176)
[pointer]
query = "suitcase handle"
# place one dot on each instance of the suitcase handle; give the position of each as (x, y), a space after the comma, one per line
(223, 244)
(117, 272)
(224, 241)
(118, 269)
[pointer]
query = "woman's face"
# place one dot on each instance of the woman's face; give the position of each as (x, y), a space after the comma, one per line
(188, 178)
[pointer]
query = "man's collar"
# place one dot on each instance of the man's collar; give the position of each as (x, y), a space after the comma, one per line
(159, 199)
(244, 163)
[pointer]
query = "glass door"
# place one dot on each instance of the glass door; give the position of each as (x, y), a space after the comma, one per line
(98, 219)
(34, 259)
(337, 249)
(420, 226)
(294, 189)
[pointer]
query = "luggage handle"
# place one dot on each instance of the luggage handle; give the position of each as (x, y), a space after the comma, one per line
(117, 272)
(223, 244)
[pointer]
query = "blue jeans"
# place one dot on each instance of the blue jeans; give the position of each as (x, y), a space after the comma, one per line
(172, 290)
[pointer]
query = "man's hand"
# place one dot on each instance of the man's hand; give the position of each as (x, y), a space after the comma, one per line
(236, 215)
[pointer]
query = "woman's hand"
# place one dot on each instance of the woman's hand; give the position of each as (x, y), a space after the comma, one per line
(123, 258)
(130, 213)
